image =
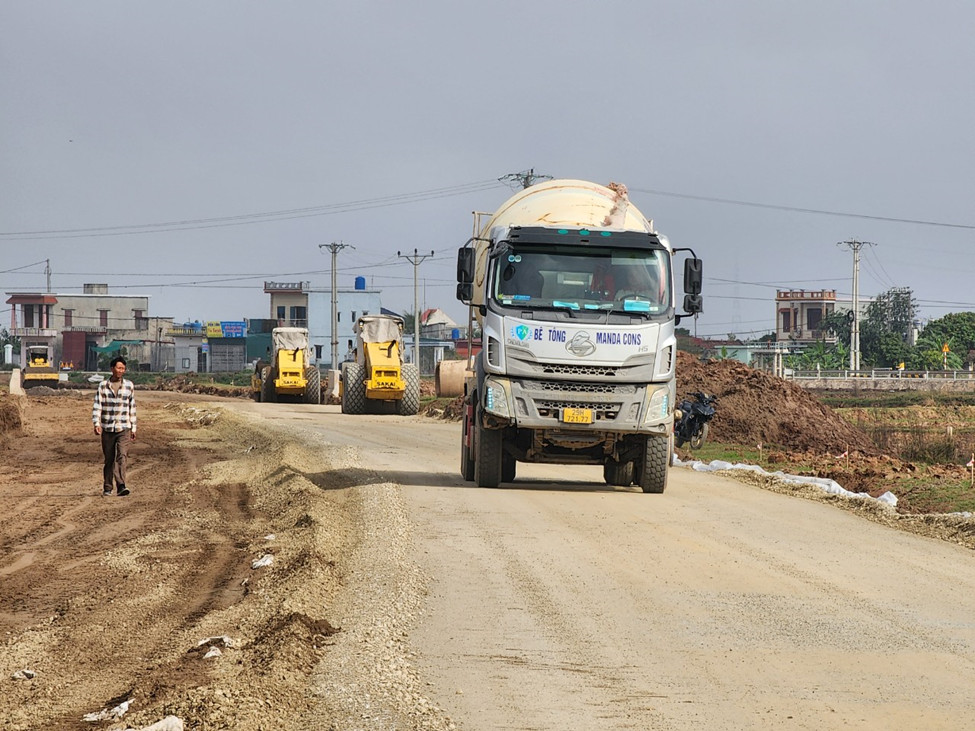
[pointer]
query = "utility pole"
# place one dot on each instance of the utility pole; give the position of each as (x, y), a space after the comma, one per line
(855, 246)
(335, 248)
(526, 178)
(416, 259)
(47, 271)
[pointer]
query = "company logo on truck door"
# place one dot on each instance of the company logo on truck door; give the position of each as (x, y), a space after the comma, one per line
(523, 332)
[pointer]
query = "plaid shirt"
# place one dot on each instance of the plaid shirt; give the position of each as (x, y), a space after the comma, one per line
(111, 412)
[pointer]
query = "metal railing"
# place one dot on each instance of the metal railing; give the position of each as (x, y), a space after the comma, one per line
(878, 373)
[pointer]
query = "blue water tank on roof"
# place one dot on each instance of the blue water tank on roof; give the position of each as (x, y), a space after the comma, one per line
(455, 334)
(360, 282)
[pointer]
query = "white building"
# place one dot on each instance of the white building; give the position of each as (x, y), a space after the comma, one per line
(299, 304)
(75, 325)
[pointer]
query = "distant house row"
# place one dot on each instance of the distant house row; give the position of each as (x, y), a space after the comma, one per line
(79, 328)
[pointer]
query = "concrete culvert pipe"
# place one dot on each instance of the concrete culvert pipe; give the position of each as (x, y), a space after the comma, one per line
(449, 378)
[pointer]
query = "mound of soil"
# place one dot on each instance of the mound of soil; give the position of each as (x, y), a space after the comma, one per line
(754, 407)
(11, 414)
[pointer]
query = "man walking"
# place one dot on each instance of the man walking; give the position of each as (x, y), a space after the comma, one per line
(114, 417)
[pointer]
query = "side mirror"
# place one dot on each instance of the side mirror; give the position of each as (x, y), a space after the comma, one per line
(693, 276)
(693, 304)
(465, 291)
(465, 267)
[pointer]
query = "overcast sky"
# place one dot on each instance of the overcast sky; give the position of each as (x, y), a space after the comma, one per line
(153, 140)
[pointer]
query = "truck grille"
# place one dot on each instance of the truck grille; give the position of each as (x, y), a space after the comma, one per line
(577, 370)
(577, 387)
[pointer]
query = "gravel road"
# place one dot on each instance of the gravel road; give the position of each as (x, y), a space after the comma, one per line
(560, 603)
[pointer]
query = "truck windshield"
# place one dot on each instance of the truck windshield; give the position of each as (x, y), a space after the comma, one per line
(627, 280)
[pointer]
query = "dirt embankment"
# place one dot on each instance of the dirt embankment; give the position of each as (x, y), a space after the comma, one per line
(754, 407)
(214, 592)
(11, 414)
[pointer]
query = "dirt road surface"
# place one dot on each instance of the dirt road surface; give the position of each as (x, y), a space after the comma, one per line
(351, 580)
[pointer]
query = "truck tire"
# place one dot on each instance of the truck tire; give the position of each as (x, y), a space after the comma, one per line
(466, 458)
(653, 468)
(313, 385)
(697, 440)
(353, 389)
(259, 373)
(409, 405)
(618, 474)
(488, 451)
(268, 393)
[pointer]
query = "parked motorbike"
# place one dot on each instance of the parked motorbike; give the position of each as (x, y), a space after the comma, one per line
(692, 426)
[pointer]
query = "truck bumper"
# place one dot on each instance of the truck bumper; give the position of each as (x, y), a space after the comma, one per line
(579, 407)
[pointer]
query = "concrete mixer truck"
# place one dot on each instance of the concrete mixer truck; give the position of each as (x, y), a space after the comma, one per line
(573, 291)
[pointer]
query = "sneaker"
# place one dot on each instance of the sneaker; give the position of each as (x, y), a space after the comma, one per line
(123, 491)
(106, 493)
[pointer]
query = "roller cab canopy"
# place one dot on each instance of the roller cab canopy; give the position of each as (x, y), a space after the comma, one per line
(379, 329)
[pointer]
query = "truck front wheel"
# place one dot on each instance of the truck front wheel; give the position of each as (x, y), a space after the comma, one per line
(488, 450)
(466, 458)
(652, 469)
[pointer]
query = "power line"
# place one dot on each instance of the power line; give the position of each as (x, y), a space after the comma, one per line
(250, 218)
(26, 266)
(797, 209)
(524, 178)
(773, 285)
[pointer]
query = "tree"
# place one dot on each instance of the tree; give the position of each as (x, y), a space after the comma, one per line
(886, 328)
(957, 329)
(409, 323)
(837, 323)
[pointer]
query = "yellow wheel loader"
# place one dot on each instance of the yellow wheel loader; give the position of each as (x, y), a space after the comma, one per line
(378, 378)
(290, 374)
(40, 369)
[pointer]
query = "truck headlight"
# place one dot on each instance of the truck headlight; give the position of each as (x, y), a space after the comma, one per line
(659, 405)
(495, 398)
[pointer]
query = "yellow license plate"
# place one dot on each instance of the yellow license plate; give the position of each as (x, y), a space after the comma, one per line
(577, 416)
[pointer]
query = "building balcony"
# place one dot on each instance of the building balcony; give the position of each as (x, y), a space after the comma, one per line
(33, 332)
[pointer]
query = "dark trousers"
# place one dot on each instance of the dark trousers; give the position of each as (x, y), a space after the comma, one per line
(115, 447)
